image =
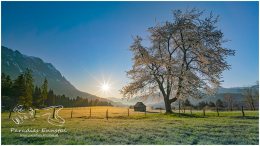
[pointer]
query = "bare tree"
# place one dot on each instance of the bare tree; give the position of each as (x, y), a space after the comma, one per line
(250, 97)
(228, 98)
(186, 58)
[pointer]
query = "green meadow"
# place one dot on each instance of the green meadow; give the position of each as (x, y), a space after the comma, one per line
(138, 128)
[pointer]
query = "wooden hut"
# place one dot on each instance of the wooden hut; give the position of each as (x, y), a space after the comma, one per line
(140, 107)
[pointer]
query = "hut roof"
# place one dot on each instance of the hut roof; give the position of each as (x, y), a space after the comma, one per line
(139, 104)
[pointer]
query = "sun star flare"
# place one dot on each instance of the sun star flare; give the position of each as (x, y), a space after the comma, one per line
(105, 87)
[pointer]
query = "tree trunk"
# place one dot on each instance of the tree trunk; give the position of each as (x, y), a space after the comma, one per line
(166, 98)
(168, 107)
(253, 106)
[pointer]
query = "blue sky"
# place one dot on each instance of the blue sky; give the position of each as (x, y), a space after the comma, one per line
(88, 42)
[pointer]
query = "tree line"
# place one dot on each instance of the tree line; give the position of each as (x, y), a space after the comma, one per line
(203, 104)
(22, 91)
(250, 101)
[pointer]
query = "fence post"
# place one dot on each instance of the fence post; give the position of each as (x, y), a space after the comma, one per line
(217, 112)
(53, 113)
(10, 114)
(243, 111)
(204, 114)
(145, 113)
(191, 110)
(128, 112)
(107, 114)
(184, 109)
(71, 113)
(34, 113)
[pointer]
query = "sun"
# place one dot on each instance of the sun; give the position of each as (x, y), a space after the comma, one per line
(105, 87)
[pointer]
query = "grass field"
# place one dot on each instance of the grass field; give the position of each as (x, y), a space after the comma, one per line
(138, 128)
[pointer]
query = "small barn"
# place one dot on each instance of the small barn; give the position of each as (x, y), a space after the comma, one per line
(140, 107)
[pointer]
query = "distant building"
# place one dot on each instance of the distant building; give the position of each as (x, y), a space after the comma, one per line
(140, 107)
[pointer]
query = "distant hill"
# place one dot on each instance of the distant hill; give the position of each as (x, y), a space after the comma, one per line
(156, 100)
(14, 63)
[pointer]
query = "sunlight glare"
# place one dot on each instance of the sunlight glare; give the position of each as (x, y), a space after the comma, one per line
(105, 87)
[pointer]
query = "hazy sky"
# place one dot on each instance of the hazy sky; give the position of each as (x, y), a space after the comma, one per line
(88, 42)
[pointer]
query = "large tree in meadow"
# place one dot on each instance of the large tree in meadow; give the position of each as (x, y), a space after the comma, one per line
(186, 58)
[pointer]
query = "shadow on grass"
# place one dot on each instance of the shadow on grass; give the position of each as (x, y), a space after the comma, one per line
(184, 115)
(245, 117)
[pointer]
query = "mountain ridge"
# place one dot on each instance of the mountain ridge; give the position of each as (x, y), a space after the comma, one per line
(14, 63)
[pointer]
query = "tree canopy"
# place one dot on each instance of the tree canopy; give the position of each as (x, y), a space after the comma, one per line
(186, 58)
